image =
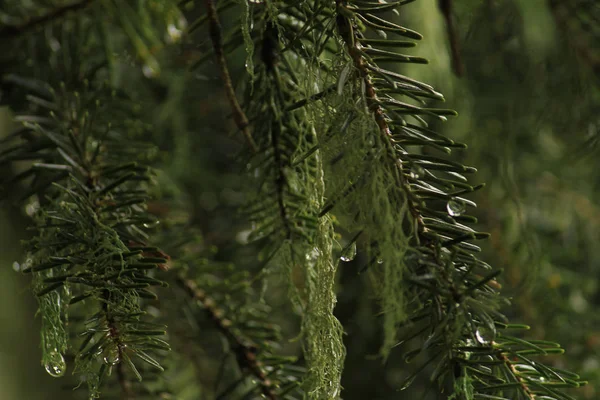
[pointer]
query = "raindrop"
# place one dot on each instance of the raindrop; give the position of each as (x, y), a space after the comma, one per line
(417, 172)
(408, 382)
(55, 366)
(242, 237)
(379, 261)
(174, 33)
(16, 266)
(313, 255)
(149, 71)
(484, 335)
(381, 33)
(32, 207)
(349, 252)
(54, 44)
(343, 78)
(456, 207)
(111, 357)
(410, 356)
(99, 351)
(151, 224)
(67, 291)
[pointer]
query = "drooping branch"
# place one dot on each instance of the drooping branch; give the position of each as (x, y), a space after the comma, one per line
(216, 36)
(11, 31)
(349, 35)
(245, 350)
(449, 282)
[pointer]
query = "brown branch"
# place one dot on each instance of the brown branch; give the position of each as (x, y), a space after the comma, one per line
(126, 392)
(350, 38)
(523, 384)
(244, 349)
(445, 7)
(11, 31)
(217, 39)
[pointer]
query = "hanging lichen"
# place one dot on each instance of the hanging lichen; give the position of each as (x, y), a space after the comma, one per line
(324, 349)
(362, 197)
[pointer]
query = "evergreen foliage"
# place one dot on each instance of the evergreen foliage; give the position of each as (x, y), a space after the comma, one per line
(338, 150)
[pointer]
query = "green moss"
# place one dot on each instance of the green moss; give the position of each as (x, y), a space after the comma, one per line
(324, 348)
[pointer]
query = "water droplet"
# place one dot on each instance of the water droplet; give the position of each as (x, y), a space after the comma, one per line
(32, 207)
(408, 382)
(484, 335)
(174, 33)
(379, 261)
(55, 365)
(381, 33)
(54, 44)
(417, 172)
(348, 253)
(152, 224)
(22, 266)
(456, 207)
(313, 255)
(111, 356)
(150, 71)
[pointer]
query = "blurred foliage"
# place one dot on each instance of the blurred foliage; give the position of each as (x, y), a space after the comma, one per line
(528, 102)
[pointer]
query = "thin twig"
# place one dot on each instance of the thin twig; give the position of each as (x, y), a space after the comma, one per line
(126, 393)
(124, 383)
(244, 349)
(445, 7)
(217, 40)
(11, 31)
(280, 181)
(374, 105)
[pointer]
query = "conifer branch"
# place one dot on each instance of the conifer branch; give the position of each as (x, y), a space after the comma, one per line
(89, 260)
(244, 349)
(457, 283)
(352, 41)
(217, 39)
